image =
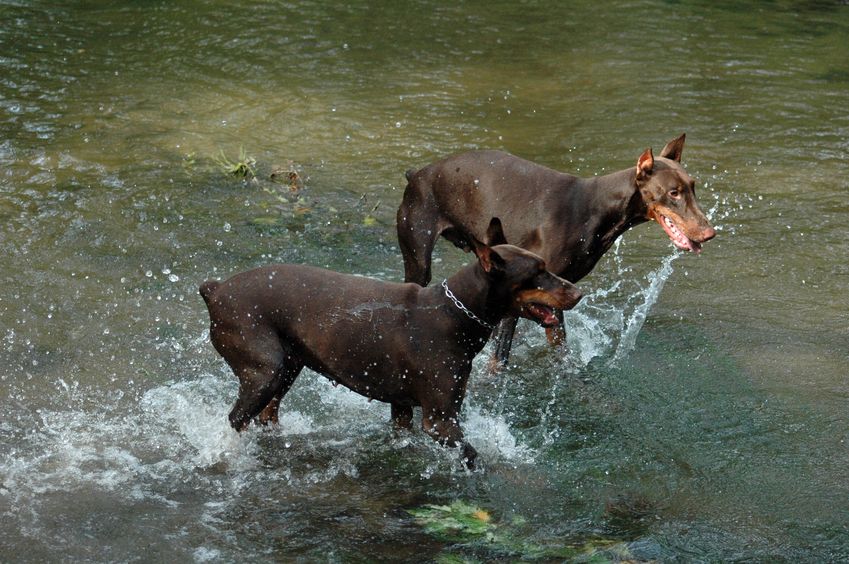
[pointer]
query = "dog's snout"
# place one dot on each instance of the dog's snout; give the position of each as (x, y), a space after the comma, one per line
(570, 295)
(708, 234)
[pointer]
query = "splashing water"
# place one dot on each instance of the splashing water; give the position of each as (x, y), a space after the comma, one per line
(178, 433)
(599, 327)
(187, 410)
(649, 296)
(492, 436)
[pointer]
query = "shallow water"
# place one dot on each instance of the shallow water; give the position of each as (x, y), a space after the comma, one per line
(699, 413)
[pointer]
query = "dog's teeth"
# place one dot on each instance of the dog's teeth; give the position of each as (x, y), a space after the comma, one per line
(673, 227)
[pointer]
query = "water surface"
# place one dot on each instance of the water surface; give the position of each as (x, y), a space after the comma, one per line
(699, 412)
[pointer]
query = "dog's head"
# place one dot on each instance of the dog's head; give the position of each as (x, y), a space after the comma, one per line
(522, 280)
(669, 196)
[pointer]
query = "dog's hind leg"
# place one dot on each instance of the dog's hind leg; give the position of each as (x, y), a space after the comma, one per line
(258, 362)
(417, 223)
(289, 371)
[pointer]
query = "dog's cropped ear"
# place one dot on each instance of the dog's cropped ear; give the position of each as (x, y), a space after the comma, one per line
(645, 164)
(489, 260)
(495, 233)
(674, 149)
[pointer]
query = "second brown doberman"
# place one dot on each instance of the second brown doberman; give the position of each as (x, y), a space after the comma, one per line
(397, 343)
(568, 221)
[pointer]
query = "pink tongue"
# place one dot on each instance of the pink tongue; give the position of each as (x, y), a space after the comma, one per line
(550, 318)
(679, 239)
(685, 244)
(543, 314)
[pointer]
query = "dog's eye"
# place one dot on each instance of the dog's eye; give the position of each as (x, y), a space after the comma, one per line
(675, 193)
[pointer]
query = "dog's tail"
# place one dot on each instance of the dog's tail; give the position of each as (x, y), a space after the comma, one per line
(207, 289)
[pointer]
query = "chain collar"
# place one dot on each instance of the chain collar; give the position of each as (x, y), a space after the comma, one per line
(463, 308)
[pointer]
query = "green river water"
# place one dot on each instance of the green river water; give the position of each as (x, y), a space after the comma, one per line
(699, 413)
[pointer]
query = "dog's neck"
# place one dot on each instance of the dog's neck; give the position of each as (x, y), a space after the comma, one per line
(617, 203)
(474, 289)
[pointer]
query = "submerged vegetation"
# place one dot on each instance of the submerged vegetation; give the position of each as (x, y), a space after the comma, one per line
(370, 217)
(245, 167)
(289, 176)
(474, 528)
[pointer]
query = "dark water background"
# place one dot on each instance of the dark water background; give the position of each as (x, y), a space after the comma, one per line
(699, 414)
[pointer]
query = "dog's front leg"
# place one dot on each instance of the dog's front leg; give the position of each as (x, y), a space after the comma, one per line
(557, 335)
(445, 429)
(402, 416)
(503, 335)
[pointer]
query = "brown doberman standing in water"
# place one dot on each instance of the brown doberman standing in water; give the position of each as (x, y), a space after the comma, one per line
(568, 221)
(398, 343)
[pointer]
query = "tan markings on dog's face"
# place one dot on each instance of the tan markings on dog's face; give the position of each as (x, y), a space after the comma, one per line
(542, 295)
(536, 293)
(670, 198)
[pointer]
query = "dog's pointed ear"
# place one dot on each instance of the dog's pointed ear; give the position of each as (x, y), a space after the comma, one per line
(489, 260)
(495, 233)
(645, 164)
(674, 149)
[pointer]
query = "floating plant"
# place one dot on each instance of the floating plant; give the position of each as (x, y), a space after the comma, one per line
(243, 167)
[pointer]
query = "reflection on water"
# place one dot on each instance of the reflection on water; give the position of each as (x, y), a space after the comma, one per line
(698, 413)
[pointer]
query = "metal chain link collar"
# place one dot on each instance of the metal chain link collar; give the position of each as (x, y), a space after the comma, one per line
(463, 308)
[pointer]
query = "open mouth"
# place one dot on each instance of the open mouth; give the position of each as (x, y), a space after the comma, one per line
(542, 314)
(677, 236)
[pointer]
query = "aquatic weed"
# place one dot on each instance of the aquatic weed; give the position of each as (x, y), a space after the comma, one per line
(243, 167)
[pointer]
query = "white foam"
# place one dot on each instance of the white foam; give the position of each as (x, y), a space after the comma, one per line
(197, 410)
(492, 436)
(69, 451)
(204, 554)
